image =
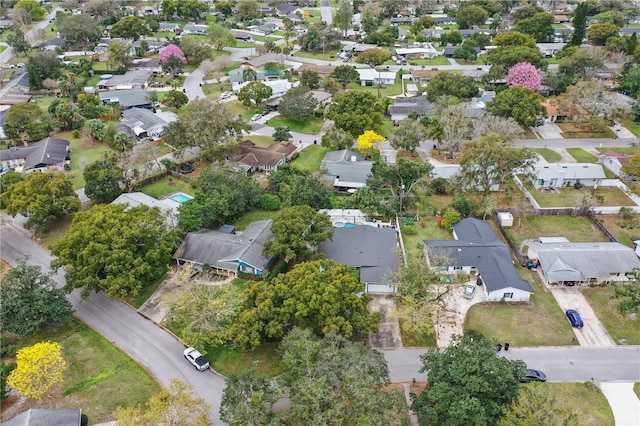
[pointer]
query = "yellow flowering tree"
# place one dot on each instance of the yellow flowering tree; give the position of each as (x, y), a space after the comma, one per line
(38, 369)
(368, 141)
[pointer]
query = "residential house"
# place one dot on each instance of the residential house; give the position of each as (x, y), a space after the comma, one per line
(5, 24)
(373, 251)
(228, 253)
(152, 46)
(167, 207)
(423, 76)
(253, 158)
(168, 27)
(478, 250)
(550, 49)
(567, 174)
(258, 63)
(444, 171)
(295, 18)
(128, 98)
(562, 34)
(468, 33)
(135, 79)
(372, 77)
(450, 50)
(265, 29)
(426, 52)
(403, 20)
(147, 64)
(356, 48)
(4, 111)
(287, 9)
(565, 262)
(402, 34)
(475, 74)
(237, 75)
(323, 98)
(346, 169)
(21, 78)
(555, 112)
(561, 19)
(613, 160)
(47, 416)
(49, 153)
(242, 36)
(54, 44)
(144, 123)
(444, 19)
(192, 28)
(411, 90)
(278, 87)
(405, 106)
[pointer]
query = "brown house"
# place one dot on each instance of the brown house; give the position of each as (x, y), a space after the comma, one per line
(322, 70)
(253, 158)
(423, 76)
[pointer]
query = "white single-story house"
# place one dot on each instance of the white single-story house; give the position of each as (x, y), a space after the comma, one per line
(228, 253)
(370, 77)
(613, 161)
(405, 106)
(567, 174)
(192, 28)
(428, 52)
(588, 263)
(278, 87)
(145, 123)
(477, 249)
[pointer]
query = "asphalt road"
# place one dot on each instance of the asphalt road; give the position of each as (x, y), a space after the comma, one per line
(150, 345)
(326, 12)
(561, 364)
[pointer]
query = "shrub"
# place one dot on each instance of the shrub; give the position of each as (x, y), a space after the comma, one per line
(627, 213)
(449, 219)
(577, 185)
(269, 202)
(409, 230)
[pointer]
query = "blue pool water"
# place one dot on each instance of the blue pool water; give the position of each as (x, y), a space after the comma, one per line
(181, 197)
(350, 225)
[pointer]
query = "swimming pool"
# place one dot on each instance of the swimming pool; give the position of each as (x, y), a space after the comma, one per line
(181, 197)
(344, 225)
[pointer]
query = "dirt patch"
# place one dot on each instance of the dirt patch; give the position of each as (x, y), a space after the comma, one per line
(388, 335)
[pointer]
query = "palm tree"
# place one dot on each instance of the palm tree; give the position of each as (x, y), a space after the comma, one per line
(249, 74)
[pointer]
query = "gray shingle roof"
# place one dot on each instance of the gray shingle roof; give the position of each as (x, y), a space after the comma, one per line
(220, 250)
(47, 152)
(419, 104)
(46, 417)
(339, 164)
(127, 98)
(372, 250)
(478, 245)
(135, 77)
(567, 261)
(548, 171)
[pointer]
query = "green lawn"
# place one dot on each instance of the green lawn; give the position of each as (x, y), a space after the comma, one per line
(539, 323)
(621, 328)
(265, 38)
(123, 383)
(252, 216)
(228, 360)
(430, 231)
(438, 60)
(318, 55)
(3, 48)
(549, 154)
(261, 141)
(633, 126)
(82, 153)
(582, 155)
(167, 185)
(574, 228)
(310, 126)
(385, 89)
(586, 400)
(310, 158)
(571, 197)
(623, 235)
(628, 150)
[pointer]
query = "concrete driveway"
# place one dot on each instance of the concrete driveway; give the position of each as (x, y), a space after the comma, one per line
(548, 131)
(593, 333)
(452, 312)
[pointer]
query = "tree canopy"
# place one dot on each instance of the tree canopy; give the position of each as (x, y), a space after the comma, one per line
(130, 27)
(103, 179)
(400, 178)
(254, 93)
(469, 383)
(356, 112)
(298, 104)
(206, 124)
(337, 139)
(42, 198)
(539, 26)
(323, 296)
(521, 104)
(536, 406)
(115, 248)
(345, 74)
(41, 66)
(195, 50)
(27, 122)
(220, 36)
(38, 369)
(449, 84)
(470, 16)
(79, 31)
(373, 57)
(407, 135)
(31, 301)
(298, 230)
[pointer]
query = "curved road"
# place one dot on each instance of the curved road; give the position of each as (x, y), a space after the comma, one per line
(153, 347)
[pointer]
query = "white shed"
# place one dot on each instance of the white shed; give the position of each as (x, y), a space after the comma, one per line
(506, 219)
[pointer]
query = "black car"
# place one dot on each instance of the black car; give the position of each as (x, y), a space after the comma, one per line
(533, 376)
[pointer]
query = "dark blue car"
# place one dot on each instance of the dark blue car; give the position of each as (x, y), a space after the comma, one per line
(574, 318)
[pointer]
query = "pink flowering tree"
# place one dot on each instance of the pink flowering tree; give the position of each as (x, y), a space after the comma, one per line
(525, 75)
(172, 60)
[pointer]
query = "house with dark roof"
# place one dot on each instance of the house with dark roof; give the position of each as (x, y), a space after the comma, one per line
(287, 9)
(450, 50)
(477, 249)
(346, 169)
(373, 251)
(47, 417)
(259, 62)
(242, 35)
(145, 123)
(138, 79)
(565, 262)
(129, 98)
(228, 253)
(238, 76)
(192, 28)
(49, 153)
(55, 43)
(253, 158)
(405, 106)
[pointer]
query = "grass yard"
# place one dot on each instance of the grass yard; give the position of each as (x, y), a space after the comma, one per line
(386, 128)
(227, 360)
(385, 89)
(632, 126)
(548, 154)
(261, 141)
(430, 231)
(167, 185)
(438, 60)
(582, 155)
(539, 323)
(310, 158)
(82, 153)
(99, 376)
(319, 55)
(571, 197)
(310, 126)
(628, 150)
(252, 216)
(623, 235)
(622, 329)
(586, 400)
(574, 228)
(264, 39)
(571, 131)
(3, 48)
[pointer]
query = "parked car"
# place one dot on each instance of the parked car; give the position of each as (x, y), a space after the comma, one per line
(533, 376)
(256, 117)
(469, 290)
(196, 359)
(574, 318)
(265, 112)
(156, 84)
(225, 95)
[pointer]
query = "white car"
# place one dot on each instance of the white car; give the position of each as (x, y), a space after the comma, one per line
(256, 117)
(469, 290)
(196, 359)
(225, 95)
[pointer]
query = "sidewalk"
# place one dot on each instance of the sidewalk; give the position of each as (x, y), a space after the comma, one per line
(624, 403)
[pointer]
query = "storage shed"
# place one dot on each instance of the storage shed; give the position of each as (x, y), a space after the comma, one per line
(506, 219)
